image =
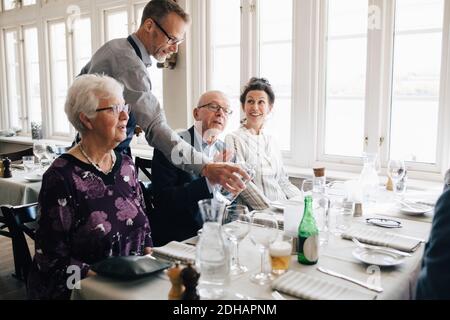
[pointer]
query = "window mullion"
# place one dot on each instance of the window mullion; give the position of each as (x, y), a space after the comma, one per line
(379, 70)
(248, 41)
(23, 91)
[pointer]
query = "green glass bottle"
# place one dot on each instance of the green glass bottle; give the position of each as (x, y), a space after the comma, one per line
(308, 236)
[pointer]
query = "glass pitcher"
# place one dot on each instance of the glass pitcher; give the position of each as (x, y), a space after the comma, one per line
(369, 179)
(212, 257)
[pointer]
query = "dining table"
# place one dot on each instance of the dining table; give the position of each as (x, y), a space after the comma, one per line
(22, 188)
(337, 255)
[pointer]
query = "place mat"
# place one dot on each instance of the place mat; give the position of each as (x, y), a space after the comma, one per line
(382, 238)
(309, 287)
(175, 250)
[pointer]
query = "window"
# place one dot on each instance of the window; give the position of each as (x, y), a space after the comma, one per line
(13, 78)
(8, 4)
(81, 43)
(67, 47)
(116, 24)
(28, 2)
(12, 4)
(346, 52)
(416, 80)
(340, 48)
(232, 49)
(33, 85)
(224, 54)
(22, 77)
(275, 49)
(59, 74)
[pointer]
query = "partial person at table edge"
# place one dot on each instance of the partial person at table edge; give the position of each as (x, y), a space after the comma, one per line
(434, 277)
(90, 205)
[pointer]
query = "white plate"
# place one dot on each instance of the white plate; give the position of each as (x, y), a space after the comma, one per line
(379, 258)
(33, 178)
(412, 211)
(277, 205)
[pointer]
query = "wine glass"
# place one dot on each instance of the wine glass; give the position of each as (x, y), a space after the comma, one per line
(307, 188)
(39, 150)
(263, 233)
(236, 225)
(396, 171)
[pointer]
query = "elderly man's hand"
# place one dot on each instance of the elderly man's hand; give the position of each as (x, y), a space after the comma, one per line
(226, 174)
(224, 156)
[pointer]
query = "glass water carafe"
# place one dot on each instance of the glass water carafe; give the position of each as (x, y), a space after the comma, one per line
(369, 179)
(212, 257)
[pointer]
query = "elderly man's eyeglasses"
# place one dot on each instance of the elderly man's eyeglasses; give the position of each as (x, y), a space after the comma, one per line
(170, 40)
(215, 108)
(116, 108)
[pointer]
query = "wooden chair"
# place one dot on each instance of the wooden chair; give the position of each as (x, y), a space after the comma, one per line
(21, 221)
(145, 165)
(17, 155)
(3, 228)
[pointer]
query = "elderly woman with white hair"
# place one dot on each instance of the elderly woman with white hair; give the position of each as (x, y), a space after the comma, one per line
(91, 205)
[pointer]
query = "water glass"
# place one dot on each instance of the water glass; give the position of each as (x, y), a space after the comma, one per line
(280, 254)
(28, 163)
(228, 197)
(344, 216)
(396, 171)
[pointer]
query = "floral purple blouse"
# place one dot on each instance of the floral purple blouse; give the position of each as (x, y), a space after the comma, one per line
(85, 216)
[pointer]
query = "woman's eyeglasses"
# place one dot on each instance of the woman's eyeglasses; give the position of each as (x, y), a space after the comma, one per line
(116, 108)
(215, 108)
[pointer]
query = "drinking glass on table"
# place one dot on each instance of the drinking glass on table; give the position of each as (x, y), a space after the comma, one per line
(39, 151)
(228, 197)
(263, 233)
(28, 163)
(280, 254)
(236, 226)
(396, 171)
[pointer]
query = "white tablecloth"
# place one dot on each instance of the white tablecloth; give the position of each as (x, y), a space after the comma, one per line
(17, 190)
(398, 282)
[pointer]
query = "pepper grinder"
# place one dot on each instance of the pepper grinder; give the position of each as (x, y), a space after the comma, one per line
(174, 274)
(190, 277)
(7, 168)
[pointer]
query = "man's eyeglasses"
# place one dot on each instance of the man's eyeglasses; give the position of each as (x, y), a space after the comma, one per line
(116, 108)
(170, 40)
(215, 108)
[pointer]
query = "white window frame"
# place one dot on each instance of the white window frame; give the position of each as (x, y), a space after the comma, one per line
(24, 107)
(307, 145)
(378, 97)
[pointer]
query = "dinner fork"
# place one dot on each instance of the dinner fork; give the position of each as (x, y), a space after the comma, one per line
(377, 248)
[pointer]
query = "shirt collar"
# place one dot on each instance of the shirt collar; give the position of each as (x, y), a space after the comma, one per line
(145, 56)
(200, 139)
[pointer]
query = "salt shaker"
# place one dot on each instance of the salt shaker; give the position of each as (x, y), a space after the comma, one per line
(358, 210)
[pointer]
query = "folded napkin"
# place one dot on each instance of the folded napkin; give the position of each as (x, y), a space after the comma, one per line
(381, 238)
(176, 251)
(308, 287)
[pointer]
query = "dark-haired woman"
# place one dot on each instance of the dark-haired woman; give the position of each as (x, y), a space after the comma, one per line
(253, 145)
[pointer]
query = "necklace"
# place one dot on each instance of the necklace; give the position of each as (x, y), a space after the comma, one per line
(96, 166)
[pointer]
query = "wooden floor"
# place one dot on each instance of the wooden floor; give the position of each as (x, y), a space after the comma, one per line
(10, 288)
